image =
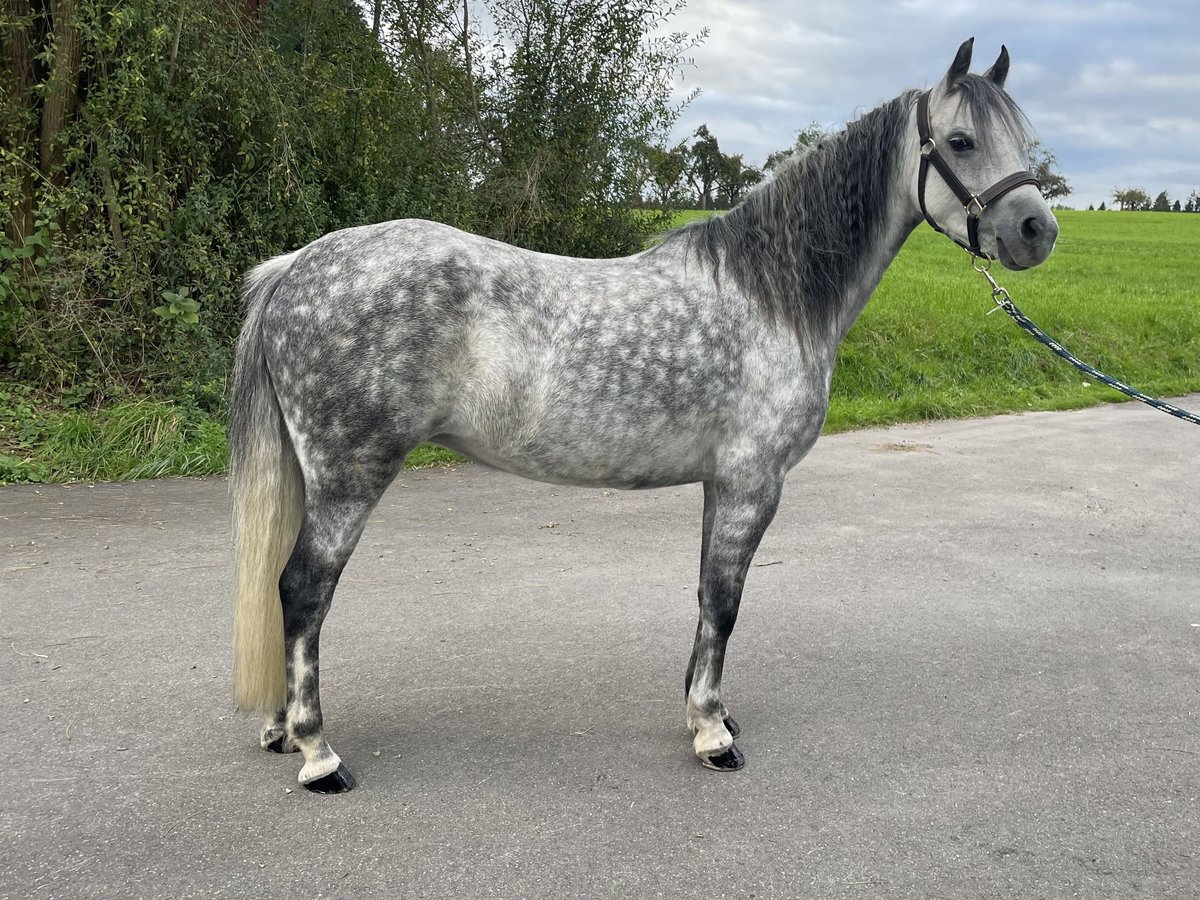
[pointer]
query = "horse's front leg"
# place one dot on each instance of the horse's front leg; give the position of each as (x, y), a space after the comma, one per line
(736, 514)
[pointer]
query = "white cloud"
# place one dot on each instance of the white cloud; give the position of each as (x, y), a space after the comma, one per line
(1124, 76)
(1176, 126)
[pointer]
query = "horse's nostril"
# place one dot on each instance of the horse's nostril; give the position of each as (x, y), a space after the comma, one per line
(1031, 229)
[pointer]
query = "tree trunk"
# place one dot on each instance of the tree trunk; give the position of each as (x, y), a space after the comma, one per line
(16, 83)
(62, 89)
(111, 203)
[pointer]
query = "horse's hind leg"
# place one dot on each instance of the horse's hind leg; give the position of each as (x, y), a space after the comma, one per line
(273, 736)
(736, 514)
(334, 515)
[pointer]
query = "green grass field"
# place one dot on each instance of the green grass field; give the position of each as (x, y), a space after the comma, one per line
(1122, 291)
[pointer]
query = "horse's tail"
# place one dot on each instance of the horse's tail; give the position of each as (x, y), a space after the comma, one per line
(268, 493)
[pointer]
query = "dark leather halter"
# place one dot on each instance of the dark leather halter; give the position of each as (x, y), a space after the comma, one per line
(973, 204)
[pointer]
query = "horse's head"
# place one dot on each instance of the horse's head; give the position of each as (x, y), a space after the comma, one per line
(970, 181)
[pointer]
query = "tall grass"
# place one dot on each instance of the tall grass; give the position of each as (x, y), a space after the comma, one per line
(136, 439)
(1122, 291)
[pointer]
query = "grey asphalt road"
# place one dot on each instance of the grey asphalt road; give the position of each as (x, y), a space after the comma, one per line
(966, 667)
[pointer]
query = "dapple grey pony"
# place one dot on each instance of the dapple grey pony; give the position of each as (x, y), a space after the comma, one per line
(704, 359)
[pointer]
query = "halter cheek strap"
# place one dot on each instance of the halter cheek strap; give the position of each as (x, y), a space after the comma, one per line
(973, 204)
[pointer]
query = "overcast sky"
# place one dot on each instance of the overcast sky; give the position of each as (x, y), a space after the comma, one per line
(1112, 88)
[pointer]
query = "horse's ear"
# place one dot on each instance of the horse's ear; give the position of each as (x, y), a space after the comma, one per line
(961, 64)
(999, 71)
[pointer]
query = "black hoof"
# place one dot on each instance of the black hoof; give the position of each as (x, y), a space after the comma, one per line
(334, 783)
(277, 746)
(729, 760)
(732, 726)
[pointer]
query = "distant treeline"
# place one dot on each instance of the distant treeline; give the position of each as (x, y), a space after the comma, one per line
(1138, 199)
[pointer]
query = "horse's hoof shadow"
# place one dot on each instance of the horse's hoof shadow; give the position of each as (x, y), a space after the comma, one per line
(337, 782)
(732, 726)
(728, 760)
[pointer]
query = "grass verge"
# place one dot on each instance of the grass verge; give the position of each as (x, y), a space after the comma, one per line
(140, 438)
(41, 442)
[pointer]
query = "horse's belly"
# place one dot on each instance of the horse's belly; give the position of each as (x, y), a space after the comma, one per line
(657, 460)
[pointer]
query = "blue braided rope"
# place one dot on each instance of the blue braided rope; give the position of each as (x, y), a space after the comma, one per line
(1025, 322)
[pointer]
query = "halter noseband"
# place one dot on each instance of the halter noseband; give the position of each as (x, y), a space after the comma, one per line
(973, 204)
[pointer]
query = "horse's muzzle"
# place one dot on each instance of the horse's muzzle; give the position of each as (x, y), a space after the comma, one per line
(1028, 242)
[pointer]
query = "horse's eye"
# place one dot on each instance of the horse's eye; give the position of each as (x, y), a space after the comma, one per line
(960, 144)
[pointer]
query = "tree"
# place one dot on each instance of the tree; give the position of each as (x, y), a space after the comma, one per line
(666, 169)
(706, 160)
(719, 180)
(1162, 203)
(1044, 164)
(1193, 204)
(1091, 207)
(1103, 208)
(574, 93)
(41, 65)
(1131, 198)
(736, 178)
(806, 138)
(152, 151)
(1175, 207)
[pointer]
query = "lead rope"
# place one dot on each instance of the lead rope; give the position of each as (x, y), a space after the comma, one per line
(1003, 301)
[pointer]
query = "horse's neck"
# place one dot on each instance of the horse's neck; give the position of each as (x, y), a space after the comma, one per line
(892, 234)
(847, 212)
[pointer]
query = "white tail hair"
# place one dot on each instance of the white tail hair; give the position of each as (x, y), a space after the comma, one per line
(268, 497)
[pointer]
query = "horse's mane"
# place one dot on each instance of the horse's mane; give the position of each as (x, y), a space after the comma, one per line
(796, 241)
